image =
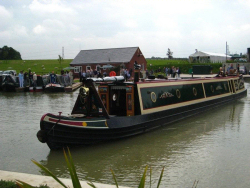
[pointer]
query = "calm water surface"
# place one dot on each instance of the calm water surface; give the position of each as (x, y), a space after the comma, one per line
(212, 147)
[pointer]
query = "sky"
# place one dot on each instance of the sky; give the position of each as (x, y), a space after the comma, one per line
(41, 29)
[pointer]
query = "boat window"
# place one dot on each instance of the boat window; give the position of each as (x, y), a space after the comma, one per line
(194, 91)
(178, 93)
(212, 88)
(225, 87)
(114, 97)
(153, 96)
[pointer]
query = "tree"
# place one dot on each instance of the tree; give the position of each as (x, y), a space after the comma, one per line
(60, 60)
(8, 53)
(170, 54)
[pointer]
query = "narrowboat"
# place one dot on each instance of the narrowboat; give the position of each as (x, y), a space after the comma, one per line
(9, 82)
(110, 108)
(39, 85)
(53, 83)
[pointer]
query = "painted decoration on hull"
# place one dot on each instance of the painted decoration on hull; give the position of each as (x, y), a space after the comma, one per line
(216, 88)
(153, 97)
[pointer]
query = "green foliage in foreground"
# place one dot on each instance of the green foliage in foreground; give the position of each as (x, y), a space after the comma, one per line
(74, 177)
(7, 184)
(12, 184)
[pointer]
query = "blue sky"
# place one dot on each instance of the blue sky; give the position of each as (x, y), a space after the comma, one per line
(39, 29)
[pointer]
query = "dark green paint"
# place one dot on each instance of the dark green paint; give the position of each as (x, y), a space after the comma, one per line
(186, 92)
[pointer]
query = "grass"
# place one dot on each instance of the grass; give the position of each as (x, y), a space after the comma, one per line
(38, 66)
(46, 66)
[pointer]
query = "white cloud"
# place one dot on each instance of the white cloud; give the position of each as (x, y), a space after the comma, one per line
(49, 6)
(5, 17)
(49, 27)
(39, 29)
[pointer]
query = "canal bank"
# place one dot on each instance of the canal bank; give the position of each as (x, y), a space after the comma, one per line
(37, 180)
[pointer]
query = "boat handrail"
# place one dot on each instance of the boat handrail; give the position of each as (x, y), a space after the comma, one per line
(108, 79)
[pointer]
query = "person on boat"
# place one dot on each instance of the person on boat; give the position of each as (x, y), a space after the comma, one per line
(104, 74)
(95, 73)
(53, 78)
(220, 73)
(25, 79)
(30, 77)
(80, 75)
(20, 79)
(126, 74)
(230, 68)
(171, 72)
(83, 75)
(166, 71)
(151, 72)
(147, 73)
(70, 77)
(34, 79)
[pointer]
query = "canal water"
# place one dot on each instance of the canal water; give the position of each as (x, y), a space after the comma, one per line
(212, 148)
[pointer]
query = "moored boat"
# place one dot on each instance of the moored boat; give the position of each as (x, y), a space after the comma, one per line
(53, 84)
(39, 86)
(9, 83)
(119, 109)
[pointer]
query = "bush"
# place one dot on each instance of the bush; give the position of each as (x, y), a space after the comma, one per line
(7, 184)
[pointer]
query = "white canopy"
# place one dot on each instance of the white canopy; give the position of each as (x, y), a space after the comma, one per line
(208, 56)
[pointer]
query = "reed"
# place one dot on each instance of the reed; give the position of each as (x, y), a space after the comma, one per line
(74, 177)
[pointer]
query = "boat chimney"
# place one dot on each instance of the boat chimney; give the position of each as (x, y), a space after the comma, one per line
(137, 71)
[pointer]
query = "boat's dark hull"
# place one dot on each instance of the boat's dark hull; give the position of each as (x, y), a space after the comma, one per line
(57, 135)
(57, 88)
(9, 87)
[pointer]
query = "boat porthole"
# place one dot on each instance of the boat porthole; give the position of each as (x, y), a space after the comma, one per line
(84, 124)
(225, 87)
(153, 96)
(114, 97)
(194, 91)
(212, 88)
(178, 93)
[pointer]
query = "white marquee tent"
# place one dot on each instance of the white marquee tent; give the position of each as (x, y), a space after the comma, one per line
(207, 56)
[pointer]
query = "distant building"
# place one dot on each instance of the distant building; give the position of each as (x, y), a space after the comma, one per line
(101, 59)
(204, 57)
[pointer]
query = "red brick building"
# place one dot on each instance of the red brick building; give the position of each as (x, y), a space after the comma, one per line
(100, 58)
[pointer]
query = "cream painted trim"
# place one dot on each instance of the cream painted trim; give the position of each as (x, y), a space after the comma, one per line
(167, 107)
(204, 90)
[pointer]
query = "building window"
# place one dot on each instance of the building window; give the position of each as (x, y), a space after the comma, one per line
(98, 68)
(88, 68)
(78, 69)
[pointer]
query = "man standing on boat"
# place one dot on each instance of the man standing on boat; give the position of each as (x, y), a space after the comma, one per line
(71, 77)
(53, 78)
(20, 79)
(34, 79)
(230, 68)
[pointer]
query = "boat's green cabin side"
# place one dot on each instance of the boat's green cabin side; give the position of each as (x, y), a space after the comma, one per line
(137, 98)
